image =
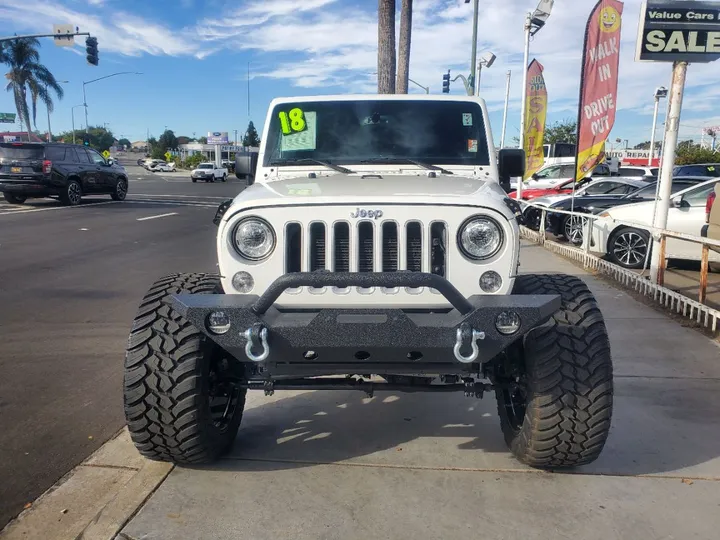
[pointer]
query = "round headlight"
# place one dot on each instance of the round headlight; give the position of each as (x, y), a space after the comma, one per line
(480, 238)
(254, 239)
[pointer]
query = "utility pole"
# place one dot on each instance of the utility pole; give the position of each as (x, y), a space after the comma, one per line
(235, 130)
(672, 126)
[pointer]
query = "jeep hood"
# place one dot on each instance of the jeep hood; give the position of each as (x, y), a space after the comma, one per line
(378, 189)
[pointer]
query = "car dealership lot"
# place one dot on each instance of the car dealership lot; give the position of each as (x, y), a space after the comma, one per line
(327, 465)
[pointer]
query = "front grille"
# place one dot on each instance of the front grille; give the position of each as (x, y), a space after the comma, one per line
(366, 246)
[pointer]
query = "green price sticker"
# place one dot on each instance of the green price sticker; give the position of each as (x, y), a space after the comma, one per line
(711, 168)
(293, 121)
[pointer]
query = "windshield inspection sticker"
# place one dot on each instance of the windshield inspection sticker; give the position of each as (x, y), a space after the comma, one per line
(467, 119)
(302, 140)
(472, 145)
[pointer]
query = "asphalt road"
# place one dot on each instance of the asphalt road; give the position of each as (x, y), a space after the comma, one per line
(70, 282)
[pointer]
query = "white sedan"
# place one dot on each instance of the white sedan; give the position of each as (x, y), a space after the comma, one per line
(628, 244)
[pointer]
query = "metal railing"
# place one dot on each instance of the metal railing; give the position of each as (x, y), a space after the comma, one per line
(693, 309)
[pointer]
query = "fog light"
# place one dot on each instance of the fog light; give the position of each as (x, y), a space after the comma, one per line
(218, 322)
(490, 282)
(243, 282)
(507, 322)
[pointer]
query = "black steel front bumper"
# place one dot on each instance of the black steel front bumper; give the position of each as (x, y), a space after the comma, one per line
(378, 341)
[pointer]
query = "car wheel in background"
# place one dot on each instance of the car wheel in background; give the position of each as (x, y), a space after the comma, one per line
(14, 199)
(72, 194)
(193, 179)
(572, 229)
(121, 189)
(629, 247)
(224, 178)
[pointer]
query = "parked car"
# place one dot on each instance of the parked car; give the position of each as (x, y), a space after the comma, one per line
(711, 229)
(149, 163)
(67, 171)
(711, 170)
(649, 174)
(556, 180)
(166, 167)
(615, 187)
(209, 172)
(629, 245)
(571, 227)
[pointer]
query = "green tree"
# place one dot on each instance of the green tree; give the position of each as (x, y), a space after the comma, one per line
(167, 141)
(251, 137)
(194, 160)
(564, 131)
(100, 138)
(202, 140)
(688, 153)
(28, 76)
(125, 142)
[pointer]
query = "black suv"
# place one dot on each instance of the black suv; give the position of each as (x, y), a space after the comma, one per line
(67, 171)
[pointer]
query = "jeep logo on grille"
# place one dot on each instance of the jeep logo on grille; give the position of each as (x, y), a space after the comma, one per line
(362, 213)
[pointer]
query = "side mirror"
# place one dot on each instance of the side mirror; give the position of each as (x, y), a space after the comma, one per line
(679, 202)
(246, 165)
(511, 162)
(535, 176)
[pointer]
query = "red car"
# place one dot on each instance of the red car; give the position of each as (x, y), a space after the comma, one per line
(561, 189)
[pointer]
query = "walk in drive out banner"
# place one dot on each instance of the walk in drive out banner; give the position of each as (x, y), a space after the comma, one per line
(598, 84)
(536, 101)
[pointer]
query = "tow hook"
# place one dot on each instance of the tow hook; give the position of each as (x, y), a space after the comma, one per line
(464, 333)
(256, 337)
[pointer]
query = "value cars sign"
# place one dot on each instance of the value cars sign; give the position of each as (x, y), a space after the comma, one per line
(683, 31)
(598, 84)
(536, 100)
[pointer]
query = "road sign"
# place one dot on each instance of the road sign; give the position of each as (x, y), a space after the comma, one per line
(168, 155)
(7, 117)
(678, 31)
(217, 137)
(106, 154)
(62, 40)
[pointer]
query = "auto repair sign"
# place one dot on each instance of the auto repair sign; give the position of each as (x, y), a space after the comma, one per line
(682, 31)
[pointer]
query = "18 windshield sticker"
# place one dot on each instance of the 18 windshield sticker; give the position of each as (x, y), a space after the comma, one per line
(298, 130)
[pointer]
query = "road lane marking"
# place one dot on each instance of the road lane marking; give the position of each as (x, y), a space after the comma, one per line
(184, 196)
(158, 216)
(29, 210)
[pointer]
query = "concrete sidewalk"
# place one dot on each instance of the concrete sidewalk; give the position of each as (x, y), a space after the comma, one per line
(326, 465)
(338, 465)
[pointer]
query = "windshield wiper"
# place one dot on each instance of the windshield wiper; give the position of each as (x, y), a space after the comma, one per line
(337, 168)
(421, 164)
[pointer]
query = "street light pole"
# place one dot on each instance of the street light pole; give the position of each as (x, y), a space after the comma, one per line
(505, 110)
(426, 88)
(49, 133)
(659, 93)
(72, 110)
(100, 79)
(473, 56)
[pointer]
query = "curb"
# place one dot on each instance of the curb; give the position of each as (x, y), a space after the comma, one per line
(96, 499)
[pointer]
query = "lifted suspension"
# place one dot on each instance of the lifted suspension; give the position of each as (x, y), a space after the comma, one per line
(470, 387)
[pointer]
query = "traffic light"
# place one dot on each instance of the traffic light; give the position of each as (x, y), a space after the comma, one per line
(86, 139)
(91, 46)
(446, 83)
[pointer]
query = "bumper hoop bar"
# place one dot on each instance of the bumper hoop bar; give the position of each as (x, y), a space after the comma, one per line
(362, 279)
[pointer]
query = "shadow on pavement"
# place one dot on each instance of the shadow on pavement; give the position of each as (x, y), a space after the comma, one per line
(660, 426)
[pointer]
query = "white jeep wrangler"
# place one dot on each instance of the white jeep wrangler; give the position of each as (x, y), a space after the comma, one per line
(376, 243)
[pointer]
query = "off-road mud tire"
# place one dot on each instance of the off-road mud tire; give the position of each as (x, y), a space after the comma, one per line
(167, 379)
(569, 377)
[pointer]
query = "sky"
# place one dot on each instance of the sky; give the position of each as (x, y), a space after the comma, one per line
(194, 57)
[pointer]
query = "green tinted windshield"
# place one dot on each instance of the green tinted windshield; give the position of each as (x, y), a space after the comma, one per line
(353, 132)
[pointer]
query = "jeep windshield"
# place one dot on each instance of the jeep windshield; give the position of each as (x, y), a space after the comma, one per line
(416, 132)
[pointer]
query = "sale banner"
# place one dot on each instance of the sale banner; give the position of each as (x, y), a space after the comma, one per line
(598, 84)
(535, 114)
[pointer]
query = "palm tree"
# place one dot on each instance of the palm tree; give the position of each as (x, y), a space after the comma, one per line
(403, 67)
(386, 46)
(27, 74)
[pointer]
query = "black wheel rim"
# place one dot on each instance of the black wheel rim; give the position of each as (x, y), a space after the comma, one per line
(630, 248)
(512, 378)
(74, 192)
(223, 394)
(121, 189)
